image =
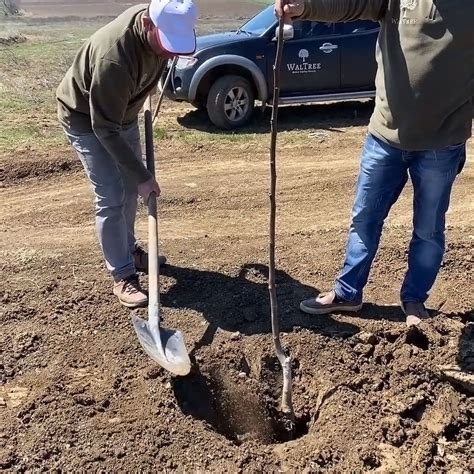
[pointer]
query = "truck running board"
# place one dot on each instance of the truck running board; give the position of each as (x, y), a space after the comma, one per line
(307, 99)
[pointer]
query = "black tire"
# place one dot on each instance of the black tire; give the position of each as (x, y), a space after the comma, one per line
(230, 102)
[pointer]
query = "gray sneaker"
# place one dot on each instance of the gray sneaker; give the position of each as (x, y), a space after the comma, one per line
(326, 303)
(415, 313)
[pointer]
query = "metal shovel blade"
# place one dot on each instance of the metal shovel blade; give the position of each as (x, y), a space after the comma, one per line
(164, 346)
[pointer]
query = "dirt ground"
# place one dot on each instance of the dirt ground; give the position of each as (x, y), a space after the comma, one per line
(78, 394)
(92, 8)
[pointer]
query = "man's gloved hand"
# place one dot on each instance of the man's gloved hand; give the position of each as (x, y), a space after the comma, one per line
(289, 9)
(148, 187)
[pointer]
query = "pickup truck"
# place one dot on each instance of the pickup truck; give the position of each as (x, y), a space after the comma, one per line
(230, 71)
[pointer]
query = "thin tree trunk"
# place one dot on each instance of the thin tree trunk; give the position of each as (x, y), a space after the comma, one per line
(285, 361)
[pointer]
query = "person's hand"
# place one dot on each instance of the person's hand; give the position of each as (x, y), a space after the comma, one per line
(289, 9)
(148, 187)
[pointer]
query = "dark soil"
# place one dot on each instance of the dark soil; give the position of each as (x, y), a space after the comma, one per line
(77, 393)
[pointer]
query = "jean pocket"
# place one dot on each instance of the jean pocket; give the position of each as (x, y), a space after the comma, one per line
(462, 160)
(455, 146)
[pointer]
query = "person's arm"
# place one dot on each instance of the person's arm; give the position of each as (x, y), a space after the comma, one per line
(110, 92)
(333, 11)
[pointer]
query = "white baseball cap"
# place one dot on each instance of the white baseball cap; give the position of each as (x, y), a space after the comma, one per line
(175, 21)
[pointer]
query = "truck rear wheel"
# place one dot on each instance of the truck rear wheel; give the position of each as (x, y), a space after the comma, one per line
(231, 102)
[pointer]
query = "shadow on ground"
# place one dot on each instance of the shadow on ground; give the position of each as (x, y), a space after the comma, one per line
(465, 358)
(321, 116)
(241, 303)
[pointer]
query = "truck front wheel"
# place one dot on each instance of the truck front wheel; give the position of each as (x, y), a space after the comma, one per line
(231, 102)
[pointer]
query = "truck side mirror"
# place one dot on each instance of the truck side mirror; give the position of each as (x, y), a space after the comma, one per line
(288, 33)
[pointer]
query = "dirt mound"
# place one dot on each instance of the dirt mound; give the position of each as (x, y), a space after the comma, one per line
(8, 38)
(365, 400)
(41, 166)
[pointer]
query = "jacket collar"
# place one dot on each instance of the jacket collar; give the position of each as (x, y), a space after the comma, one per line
(140, 33)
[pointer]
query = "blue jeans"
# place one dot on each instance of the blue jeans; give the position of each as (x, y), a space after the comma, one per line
(115, 199)
(384, 171)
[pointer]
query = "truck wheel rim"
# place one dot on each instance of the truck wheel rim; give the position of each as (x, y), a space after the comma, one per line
(236, 104)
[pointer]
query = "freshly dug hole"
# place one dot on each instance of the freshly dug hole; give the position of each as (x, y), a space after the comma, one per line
(236, 408)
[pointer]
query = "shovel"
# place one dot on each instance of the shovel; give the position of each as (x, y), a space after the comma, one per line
(164, 346)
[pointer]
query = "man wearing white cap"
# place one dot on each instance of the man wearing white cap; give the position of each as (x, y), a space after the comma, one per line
(99, 100)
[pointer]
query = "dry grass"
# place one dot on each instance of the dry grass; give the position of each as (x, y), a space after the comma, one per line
(31, 67)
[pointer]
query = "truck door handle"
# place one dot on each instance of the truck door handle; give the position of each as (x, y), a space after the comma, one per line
(328, 47)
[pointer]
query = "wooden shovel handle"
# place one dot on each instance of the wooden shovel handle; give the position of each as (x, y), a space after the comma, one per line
(153, 244)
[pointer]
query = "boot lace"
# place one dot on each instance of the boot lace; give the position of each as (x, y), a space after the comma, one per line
(131, 285)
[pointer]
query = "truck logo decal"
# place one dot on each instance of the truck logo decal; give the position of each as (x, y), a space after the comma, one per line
(303, 67)
(303, 54)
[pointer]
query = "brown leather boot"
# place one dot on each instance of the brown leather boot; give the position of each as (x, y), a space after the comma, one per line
(140, 258)
(130, 293)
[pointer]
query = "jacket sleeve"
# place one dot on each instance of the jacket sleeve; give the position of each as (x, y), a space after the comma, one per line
(335, 11)
(110, 91)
